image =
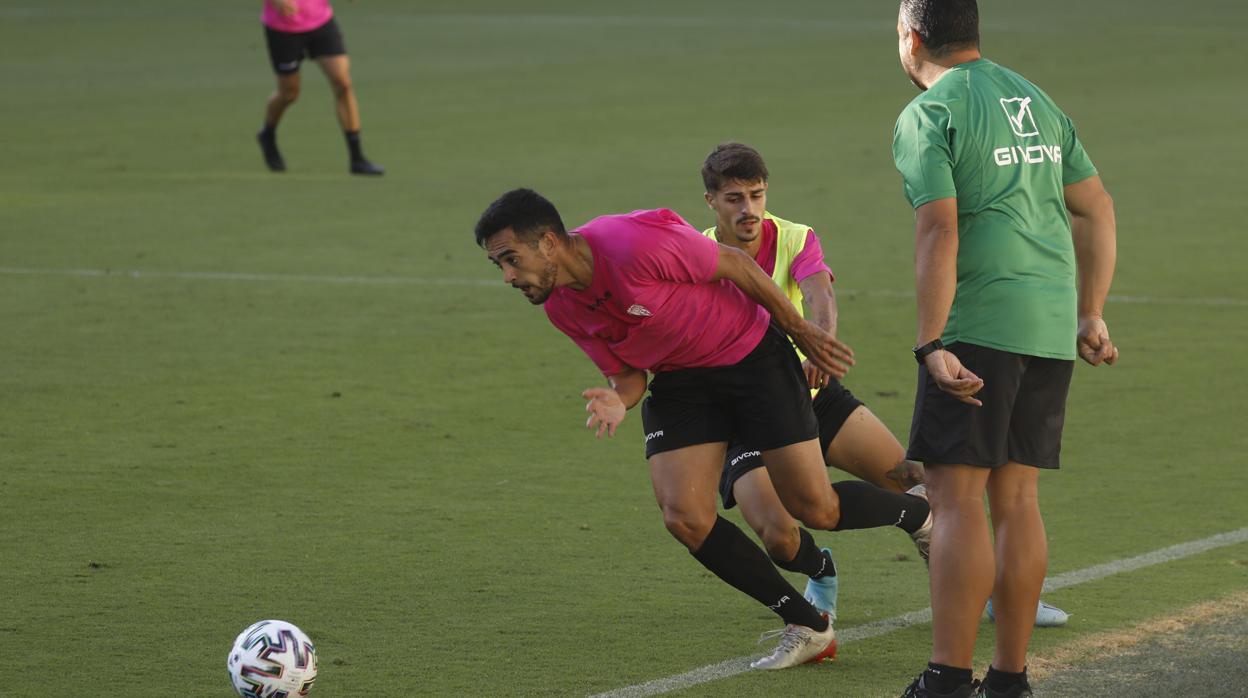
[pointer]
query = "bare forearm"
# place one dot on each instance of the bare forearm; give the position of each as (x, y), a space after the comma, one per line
(935, 265)
(1094, 231)
(630, 385)
(738, 268)
(821, 347)
(820, 301)
(1096, 251)
(936, 281)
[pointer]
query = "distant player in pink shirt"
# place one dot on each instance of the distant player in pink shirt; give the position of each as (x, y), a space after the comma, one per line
(644, 293)
(298, 28)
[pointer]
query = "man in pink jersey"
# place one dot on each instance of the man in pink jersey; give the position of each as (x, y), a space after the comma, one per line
(294, 29)
(644, 293)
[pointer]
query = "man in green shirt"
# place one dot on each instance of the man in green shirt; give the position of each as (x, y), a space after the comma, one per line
(1009, 292)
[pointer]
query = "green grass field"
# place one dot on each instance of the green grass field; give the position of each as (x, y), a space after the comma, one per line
(315, 400)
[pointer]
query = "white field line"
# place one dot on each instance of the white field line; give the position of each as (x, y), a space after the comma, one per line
(740, 665)
(453, 281)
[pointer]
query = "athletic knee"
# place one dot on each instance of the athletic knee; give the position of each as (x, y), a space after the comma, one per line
(1014, 496)
(820, 515)
(781, 542)
(341, 87)
(691, 529)
(288, 95)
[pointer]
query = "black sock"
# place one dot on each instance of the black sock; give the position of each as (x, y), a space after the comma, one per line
(269, 132)
(734, 558)
(940, 678)
(1002, 681)
(353, 144)
(864, 505)
(810, 560)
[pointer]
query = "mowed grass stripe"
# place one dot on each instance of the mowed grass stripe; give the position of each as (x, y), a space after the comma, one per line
(740, 665)
(453, 281)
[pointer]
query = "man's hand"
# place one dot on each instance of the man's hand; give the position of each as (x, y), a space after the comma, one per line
(823, 350)
(815, 378)
(1093, 341)
(952, 377)
(288, 8)
(907, 473)
(606, 410)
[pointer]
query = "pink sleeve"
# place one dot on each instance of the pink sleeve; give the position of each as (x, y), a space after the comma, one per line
(595, 348)
(809, 261)
(600, 354)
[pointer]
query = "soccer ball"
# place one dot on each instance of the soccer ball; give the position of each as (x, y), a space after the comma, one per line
(272, 659)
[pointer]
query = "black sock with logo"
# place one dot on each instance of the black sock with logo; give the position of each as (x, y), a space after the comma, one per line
(940, 678)
(864, 505)
(734, 558)
(810, 560)
(1002, 681)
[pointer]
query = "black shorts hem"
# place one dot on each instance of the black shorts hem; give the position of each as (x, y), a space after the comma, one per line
(288, 49)
(762, 399)
(833, 406)
(1021, 419)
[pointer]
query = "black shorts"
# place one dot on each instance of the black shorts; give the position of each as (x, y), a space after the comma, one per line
(288, 49)
(761, 400)
(833, 405)
(1021, 419)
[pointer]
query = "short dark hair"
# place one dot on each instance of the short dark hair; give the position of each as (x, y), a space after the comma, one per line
(525, 211)
(729, 161)
(944, 25)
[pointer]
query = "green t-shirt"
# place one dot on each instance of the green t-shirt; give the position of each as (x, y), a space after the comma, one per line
(996, 142)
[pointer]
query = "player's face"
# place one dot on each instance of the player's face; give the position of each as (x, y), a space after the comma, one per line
(739, 208)
(526, 266)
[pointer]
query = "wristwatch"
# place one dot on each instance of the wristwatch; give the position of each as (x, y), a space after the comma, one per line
(921, 353)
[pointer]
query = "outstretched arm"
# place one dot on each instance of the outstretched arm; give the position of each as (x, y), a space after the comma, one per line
(607, 407)
(1095, 233)
(824, 350)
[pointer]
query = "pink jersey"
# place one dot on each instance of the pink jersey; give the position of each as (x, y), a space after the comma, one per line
(309, 15)
(807, 262)
(653, 303)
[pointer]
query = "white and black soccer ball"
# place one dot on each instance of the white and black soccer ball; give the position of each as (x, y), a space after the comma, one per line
(272, 659)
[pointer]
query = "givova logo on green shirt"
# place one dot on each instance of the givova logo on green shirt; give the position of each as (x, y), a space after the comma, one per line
(1021, 120)
(1018, 113)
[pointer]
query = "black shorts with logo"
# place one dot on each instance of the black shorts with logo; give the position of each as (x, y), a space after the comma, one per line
(833, 405)
(288, 49)
(1021, 419)
(762, 400)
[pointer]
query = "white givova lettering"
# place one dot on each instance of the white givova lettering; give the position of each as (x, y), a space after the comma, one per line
(779, 603)
(747, 454)
(653, 435)
(1031, 155)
